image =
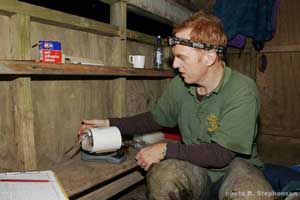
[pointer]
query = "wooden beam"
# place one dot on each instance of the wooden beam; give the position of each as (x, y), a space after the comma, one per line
(164, 11)
(24, 130)
(281, 49)
(140, 37)
(110, 1)
(115, 187)
(119, 99)
(282, 132)
(118, 17)
(20, 37)
(23, 110)
(49, 16)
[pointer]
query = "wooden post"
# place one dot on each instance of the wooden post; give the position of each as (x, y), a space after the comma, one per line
(118, 17)
(24, 130)
(20, 37)
(23, 110)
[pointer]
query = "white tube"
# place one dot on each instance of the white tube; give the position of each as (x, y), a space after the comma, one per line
(101, 140)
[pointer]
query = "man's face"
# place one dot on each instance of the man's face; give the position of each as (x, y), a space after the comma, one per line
(189, 61)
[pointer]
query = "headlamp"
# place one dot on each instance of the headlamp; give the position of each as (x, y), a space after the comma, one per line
(172, 41)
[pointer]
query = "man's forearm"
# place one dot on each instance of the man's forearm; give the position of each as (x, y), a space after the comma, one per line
(203, 155)
(138, 124)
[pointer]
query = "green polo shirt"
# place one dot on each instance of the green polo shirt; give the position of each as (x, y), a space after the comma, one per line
(226, 116)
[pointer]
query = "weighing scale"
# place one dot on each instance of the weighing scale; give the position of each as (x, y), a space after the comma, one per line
(115, 157)
(110, 157)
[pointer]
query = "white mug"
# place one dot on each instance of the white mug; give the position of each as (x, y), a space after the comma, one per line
(138, 61)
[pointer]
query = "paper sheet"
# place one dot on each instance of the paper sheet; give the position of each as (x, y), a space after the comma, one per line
(38, 185)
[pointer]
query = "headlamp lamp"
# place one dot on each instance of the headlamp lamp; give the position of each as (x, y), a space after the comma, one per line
(172, 41)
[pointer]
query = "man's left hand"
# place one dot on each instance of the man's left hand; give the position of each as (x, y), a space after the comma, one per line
(150, 154)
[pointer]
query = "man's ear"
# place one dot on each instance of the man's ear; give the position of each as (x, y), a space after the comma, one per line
(210, 58)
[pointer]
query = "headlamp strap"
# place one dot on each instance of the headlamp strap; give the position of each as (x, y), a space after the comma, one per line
(172, 41)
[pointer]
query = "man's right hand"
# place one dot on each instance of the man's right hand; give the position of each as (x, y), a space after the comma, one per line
(92, 124)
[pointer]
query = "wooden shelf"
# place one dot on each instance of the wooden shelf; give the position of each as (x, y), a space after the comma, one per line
(37, 68)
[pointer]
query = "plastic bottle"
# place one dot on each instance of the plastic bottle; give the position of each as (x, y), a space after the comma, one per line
(158, 54)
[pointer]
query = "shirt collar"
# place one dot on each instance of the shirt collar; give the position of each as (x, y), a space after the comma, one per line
(225, 77)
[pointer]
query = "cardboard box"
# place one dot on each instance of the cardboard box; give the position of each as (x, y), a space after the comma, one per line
(50, 51)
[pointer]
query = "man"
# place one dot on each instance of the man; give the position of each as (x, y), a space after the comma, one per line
(215, 109)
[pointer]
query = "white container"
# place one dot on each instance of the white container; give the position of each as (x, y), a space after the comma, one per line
(100, 140)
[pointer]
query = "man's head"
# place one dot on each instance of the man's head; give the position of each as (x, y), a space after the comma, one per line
(194, 63)
(205, 28)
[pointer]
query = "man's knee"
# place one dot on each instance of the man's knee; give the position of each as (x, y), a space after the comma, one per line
(240, 163)
(244, 181)
(175, 179)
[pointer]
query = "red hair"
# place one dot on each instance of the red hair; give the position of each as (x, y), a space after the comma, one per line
(206, 28)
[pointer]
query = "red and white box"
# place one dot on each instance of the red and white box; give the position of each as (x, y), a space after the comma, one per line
(50, 51)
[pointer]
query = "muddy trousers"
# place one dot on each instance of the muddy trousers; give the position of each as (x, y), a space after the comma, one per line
(179, 180)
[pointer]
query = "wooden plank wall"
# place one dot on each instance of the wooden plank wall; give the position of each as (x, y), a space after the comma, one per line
(60, 103)
(59, 106)
(242, 63)
(4, 35)
(280, 89)
(7, 133)
(7, 152)
(143, 94)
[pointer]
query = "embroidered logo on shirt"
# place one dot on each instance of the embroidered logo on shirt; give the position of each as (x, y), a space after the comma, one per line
(213, 122)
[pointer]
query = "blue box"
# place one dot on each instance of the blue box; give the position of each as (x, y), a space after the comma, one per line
(49, 45)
